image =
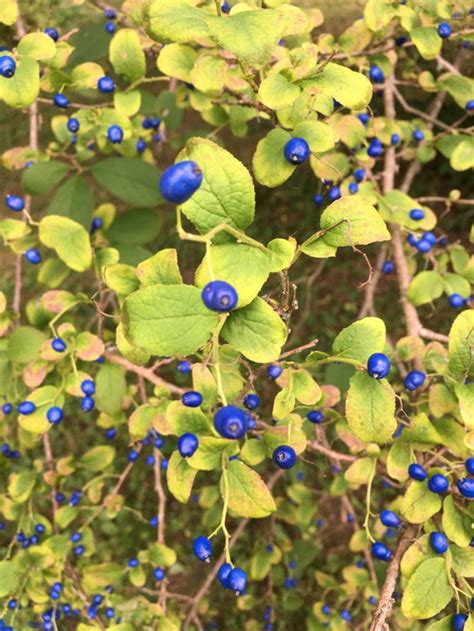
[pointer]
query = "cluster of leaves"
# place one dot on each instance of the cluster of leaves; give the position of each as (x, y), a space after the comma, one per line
(93, 209)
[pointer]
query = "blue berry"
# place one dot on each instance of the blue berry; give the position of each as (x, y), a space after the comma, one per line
(439, 542)
(363, 117)
(466, 487)
(359, 175)
(26, 408)
(58, 345)
(388, 267)
(15, 203)
(115, 134)
(87, 404)
(52, 32)
(372, 600)
(225, 7)
(158, 574)
(133, 562)
(132, 455)
(180, 181)
(390, 519)
(61, 100)
(394, 139)
(353, 188)
(7, 66)
(418, 135)
(141, 145)
(251, 401)
(223, 574)
(402, 39)
(153, 521)
(12, 603)
(109, 613)
(111, 433)
(164, 464)
(470, 105)
(33, 256)
(88, 387)
(202, 548)
(375, 149)
(469, 464)
(79, 550)
(219, 296)
(438, 483)
(97, 224)
(39, 528)
(378, 365)
(456, 301)
(430, 237)
(237, 580)
(73, 125)
(417, 214)
(75, 537)
(7, 408)
(187, 444)
(106, 85)
(110, 27)
(284, 456)
(230, 422)
(191, 399)
(110, 14)
(444, 30)
(318, 199)
(414, 380)
(380, 551)
(423, 246)
(334, 193)
(326, 609)
(459, 621)
(376, 74)
(296, 150)
(346, 615)
(315, 416)
(274, 371)
(184, 366)
(55, 415)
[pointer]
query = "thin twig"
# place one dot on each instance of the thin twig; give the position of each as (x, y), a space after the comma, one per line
(146, 373)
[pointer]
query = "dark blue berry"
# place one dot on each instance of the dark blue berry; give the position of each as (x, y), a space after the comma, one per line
(230, 422)
(274, 371)
(73, 125)
(180, 181)
(202, 548)
(187, 444)
(380, 551)
(414, 380)
(315, 416)
(296, 150)
(33, 256)
(58, 345)
(7, 66)
(115, 134)
(417, 214)
(378, 365)
(438, 483)
(191, 399)
(284, 456)
(219, 296)
(456, 301)
(87, 404)
(61, 100)
(376, 74)
(444, 30)
(439, 542)
(15, 203)
(55, 415)
(237, 580)
(251, 401)
(390, 519)
(26, 408)
(88, 387)
(52, 32)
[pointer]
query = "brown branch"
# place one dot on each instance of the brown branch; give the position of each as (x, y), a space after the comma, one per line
(421, 114)
(446, 200)
(386, 600)
(313, 444)
(432, 335)
(367, 307)
(146, 373)
(299, 349)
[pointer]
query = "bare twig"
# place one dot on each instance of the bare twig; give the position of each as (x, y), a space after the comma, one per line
(335, 455)
(146, 373)
(369, 293)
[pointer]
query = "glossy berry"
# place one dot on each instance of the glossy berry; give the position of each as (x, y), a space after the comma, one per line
(230, 422)
(141, 145)
(75, 537)
(87, 404)
(7, 408)
(439, 542)
(378, 365)
(187, 444)
(318, 199)
(274, 371)
(418, 135)
(158, 574)
(390, 519)
(394, 139)
(202, 548)
(237, 580)
(470, 106)
(180, 181)
(469, 464)
(88, 387)
(444, 30)
(52, 32)
(438, 483)
(219, 296)
(456, 301)
(55, 415)
(334, 193)
(133, 562)
(110, 27)
(7, 66)
(466, 487)
(33, 256)
(315, 416)
(251, 401)
(61, 100)
(417, 214)
(430, 237)
(58, 345)
(414, 380)
(110, 14)
(376, 74)
(353, 188)
(380, 551)
(115, 134)
(225, 7)
(26, 408)
(459, 621)
(15, 203)
(375, 149)
(184, 366)
(363, 117)
(388, 267)
(284, 457)
(296, 150)
(417, 472)
(106, 85)
(423, 246)
(132, 455)
(96, 224)
(191, 399)
(359, 175)
(109, 612)
(223, 574)
(346, 615)
(73, 125)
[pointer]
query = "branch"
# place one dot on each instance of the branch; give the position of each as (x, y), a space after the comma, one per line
(369, 293)
(385, 604)
(146, 373)
(417, 112)
(329, 452)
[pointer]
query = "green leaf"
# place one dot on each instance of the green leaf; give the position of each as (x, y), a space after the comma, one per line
(141, 421)
(282, 252)
(41, 177)
(24, 344)
(9, 578)
(121, 278)
(400, 457)
(461, 88)
(8, 16)
(276, 91)
(352, 221)
(425, 287)
(130, 179)
(305, 389)
(168, 319)
(370, 408)
(209, 452)
(319, 249)
(21, 485)
(463, 560)
(37, 46)
(318, 135)
(177, 60)
(360, 339)
(126, 54)
(427, 41)
(245, 267)
(351, 89)
(270, 166)
(256, 331)
(421, 431)
(428, 590)
(23, 88)
(86, 75)
(247, 493)
(456, 525)
(73, 199)
(128, 103)
(378, 14)
(111, 387)
(98, 458)
(182, 419)
(177, 21)
(209, 74)
(419, 503)
(65, 515)
(226, 194)
(160, 269)
(360, 471)
(395, 207)
(251, 35)
(462, 157)
(465, 395)
(137, 225)
(162, 555)
(68, 239)
(95, 577)
(461, 341)
(43, 398)
(283, 404)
